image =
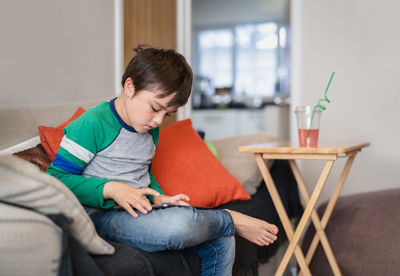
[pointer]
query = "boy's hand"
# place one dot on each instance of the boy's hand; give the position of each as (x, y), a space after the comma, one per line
(129, 197)
(174, 200)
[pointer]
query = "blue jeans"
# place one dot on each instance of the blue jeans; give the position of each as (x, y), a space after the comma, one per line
(209, 233)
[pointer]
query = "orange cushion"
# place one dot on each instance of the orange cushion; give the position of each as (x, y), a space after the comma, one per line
(184, 164)
(50, 137)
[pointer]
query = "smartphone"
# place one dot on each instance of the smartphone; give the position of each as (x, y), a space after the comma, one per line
(167, 205)
(154, 206)
(162, 206)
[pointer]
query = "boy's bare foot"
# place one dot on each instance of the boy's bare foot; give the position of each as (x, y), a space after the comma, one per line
(255, 230)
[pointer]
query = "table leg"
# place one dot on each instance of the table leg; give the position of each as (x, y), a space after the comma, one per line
(282, 215)
(315, 219)
(332, 202)
(306, 215)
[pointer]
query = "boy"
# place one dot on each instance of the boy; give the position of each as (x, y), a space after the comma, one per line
(105, 159)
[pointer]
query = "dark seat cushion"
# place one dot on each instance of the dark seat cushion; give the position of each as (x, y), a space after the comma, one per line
(128, 260)
(364, 235)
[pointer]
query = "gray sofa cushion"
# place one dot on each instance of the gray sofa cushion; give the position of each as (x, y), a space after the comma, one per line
(24, 184)
(363, 233)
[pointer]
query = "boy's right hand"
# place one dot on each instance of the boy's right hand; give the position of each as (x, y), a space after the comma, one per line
(129, 197)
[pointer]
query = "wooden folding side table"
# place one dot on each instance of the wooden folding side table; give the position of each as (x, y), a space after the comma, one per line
(288, 151)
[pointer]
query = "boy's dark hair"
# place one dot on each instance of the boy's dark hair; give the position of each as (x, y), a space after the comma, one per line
(160, 69)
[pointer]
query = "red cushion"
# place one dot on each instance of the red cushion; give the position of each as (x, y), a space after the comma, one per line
(50, 137)
(184, 164)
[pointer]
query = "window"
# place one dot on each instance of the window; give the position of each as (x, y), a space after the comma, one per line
(216, 50)
(244, 57)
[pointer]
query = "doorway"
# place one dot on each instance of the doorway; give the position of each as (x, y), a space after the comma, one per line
(240, 59)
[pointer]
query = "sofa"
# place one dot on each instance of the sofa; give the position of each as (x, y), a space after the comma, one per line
(363, 233)
(45, 230)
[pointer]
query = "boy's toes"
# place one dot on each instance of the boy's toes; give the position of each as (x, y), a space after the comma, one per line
(262, 242)
(273, 229)
(268, 240)
(271, 237)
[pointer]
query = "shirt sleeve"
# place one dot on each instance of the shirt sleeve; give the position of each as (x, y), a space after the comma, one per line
(80, 143)
(89, 191)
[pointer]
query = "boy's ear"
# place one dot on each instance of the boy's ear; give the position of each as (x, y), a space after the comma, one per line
(129, 87)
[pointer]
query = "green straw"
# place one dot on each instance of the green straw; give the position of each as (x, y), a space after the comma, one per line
(321, 100)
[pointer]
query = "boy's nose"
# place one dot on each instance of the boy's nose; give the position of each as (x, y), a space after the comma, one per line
(157, 120)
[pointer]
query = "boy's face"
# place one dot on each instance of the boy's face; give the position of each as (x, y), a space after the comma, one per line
(144, 110)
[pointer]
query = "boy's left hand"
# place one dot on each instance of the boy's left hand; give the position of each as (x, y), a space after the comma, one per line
(174, 200)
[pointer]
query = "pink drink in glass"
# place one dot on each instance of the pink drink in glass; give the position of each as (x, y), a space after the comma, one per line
(308, 137)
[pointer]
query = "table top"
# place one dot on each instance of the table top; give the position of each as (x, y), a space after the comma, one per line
(288, 147)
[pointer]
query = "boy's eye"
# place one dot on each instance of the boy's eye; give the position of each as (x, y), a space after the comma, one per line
(155, 110)
(167, 114)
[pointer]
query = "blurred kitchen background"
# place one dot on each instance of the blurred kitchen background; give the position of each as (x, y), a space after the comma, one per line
(241, 67)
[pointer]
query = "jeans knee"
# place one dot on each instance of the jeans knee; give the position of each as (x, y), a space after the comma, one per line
(182, 230)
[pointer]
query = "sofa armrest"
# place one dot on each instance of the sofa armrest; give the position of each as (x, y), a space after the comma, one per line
(31, 244)
(19, 123)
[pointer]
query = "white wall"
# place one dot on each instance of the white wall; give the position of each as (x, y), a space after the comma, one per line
(54, 51)
(360, 41)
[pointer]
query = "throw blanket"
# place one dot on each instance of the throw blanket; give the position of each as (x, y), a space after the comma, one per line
(248, 255)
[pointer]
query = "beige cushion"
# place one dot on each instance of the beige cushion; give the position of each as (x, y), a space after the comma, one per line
(23, 183)
(242, 165)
